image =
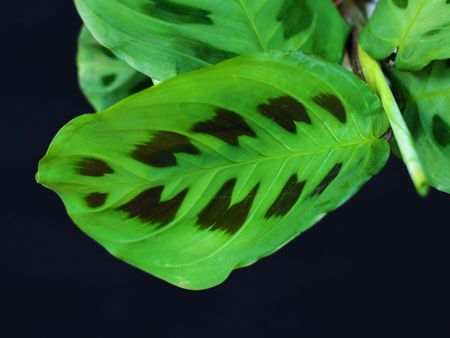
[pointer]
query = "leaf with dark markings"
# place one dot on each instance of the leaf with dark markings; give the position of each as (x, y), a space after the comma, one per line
(285, 111)
(426, 101)
(161, 149)
(163, 38)
(149, 208)
(105, 79)
(418, 29)
(333, 105)
(226, 125)
(327, 180)
(90, 166)
(96, 199)
(287, 198)
(202, 174)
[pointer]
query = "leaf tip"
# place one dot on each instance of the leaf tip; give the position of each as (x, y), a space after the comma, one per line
(420, 183)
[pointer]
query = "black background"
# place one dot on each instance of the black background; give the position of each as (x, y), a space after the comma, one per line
(377, 267)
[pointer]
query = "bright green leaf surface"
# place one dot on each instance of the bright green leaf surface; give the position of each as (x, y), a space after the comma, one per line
(427, 112)
(214, 169)
(419, 29)
(105, 79)
(162, 38)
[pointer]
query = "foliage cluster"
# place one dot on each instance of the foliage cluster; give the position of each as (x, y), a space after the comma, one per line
(256, 126)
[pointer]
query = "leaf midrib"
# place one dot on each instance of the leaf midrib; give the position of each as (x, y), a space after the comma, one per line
(251, 23)
(260, 159)
(410, 25)
(213, 253)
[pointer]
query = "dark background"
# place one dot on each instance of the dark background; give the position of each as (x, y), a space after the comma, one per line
(377, 267)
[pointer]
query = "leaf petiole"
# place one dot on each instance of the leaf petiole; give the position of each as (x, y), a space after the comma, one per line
(377, 81)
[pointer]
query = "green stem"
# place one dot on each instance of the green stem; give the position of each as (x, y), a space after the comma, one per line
(375, 78)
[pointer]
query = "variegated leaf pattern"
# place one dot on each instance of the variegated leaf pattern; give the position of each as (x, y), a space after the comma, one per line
(418, 30)
(105, 79)
(214, 169)
(426, 106)
(162, 38)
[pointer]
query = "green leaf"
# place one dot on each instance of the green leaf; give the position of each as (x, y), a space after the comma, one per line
(105, 79)
(214, 169)
(426, 97)
(419, 29)
(162, 38)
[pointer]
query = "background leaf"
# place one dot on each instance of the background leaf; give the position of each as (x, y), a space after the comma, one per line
(426, 97)
(105, 79)
(217, 168)
(162, 38)
(419, 29)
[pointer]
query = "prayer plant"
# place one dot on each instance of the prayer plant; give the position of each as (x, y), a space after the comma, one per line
(256, 126)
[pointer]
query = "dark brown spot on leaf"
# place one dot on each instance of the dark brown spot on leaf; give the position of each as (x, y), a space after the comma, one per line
(441, 131)
(161, 150)
(177, 13)
(226, 125)
(333, 105)
(96, 199)
(94, 167)
(287, 198)
(217, 206)
(218, 215)
(328, 179)
(169, 11)
(149, 208)
(284, 111)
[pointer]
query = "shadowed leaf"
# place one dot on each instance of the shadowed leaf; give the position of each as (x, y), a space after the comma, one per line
(105, 79)
(418, 29)
(163, 38)
(426, 101)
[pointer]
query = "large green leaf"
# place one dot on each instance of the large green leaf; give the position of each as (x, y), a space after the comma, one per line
(162, 38)
(215, 169)
(419, 29)
(105, 79)
(426, 96)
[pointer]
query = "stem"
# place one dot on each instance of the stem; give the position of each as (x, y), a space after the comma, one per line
(375, 78)
(356, 17)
